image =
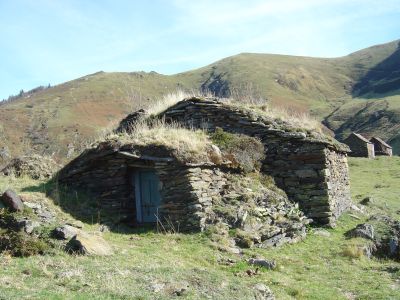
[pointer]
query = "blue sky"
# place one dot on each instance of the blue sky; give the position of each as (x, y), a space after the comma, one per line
(50, 41)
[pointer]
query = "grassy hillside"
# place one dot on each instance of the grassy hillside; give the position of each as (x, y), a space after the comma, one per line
(376, 70)
(74, 112)
(317, 268)
(298, 82)
(60, 119)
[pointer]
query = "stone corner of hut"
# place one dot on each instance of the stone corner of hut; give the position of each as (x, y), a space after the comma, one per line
(310, 167)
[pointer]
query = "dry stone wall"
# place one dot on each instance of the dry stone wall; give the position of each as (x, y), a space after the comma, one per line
(103, 175)
(187, 191)
(195, 191)
(309, 167)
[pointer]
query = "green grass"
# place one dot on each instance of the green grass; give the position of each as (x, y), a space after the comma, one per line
(313, 269)
(379, 179)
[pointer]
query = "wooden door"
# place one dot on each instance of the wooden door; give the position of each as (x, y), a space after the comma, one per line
(149, 194)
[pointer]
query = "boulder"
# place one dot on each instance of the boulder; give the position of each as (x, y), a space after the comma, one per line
(366, 201)
(28, 225)
(365, 231)
(65, 232)
(260, 262)
(383, 242)
(87, 244)
(75, 223)
(12, 201)
(263, 292)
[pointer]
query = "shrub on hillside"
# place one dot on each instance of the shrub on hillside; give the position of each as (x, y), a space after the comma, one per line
(19, 244)
(34, 166)
(247, 152)
(14, 241)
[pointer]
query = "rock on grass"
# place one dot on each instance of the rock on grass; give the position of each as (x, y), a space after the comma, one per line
(365, 231)
(66, 232)
(87, 244)
(260, 262)
(12, 201)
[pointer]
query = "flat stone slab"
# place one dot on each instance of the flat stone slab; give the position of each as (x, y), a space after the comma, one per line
(87, 244)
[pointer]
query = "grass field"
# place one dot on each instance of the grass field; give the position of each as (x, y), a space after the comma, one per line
(316, 268)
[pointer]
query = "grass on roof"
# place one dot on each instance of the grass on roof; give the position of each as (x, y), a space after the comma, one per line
(293, 118)
(188, 145)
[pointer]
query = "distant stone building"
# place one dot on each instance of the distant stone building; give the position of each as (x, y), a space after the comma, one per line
(360, 146)
(381, 147)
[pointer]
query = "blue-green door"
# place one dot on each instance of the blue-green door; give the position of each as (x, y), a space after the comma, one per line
(149, 194)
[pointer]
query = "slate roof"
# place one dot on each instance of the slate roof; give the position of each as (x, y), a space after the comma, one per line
(361, 137)
(380, 141)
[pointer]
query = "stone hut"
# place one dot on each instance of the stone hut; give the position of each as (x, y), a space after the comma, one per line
(152, 184)
(360, 146)
(381, 147)
(310, 167)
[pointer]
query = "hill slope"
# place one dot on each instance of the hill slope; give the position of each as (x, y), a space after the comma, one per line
(356, 92)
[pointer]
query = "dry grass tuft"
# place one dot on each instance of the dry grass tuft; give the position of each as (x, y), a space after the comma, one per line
(167, 101)
(353, 251)
(297, 119)
(292, 117)
(247, 102)
(187, 144)
(172, 98)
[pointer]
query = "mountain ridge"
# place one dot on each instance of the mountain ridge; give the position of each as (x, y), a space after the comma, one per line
(63, 117)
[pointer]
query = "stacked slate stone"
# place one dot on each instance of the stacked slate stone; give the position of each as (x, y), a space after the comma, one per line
(106, 172)
(310, 167)
(267, 217)
(101, 174)
(192, 194)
